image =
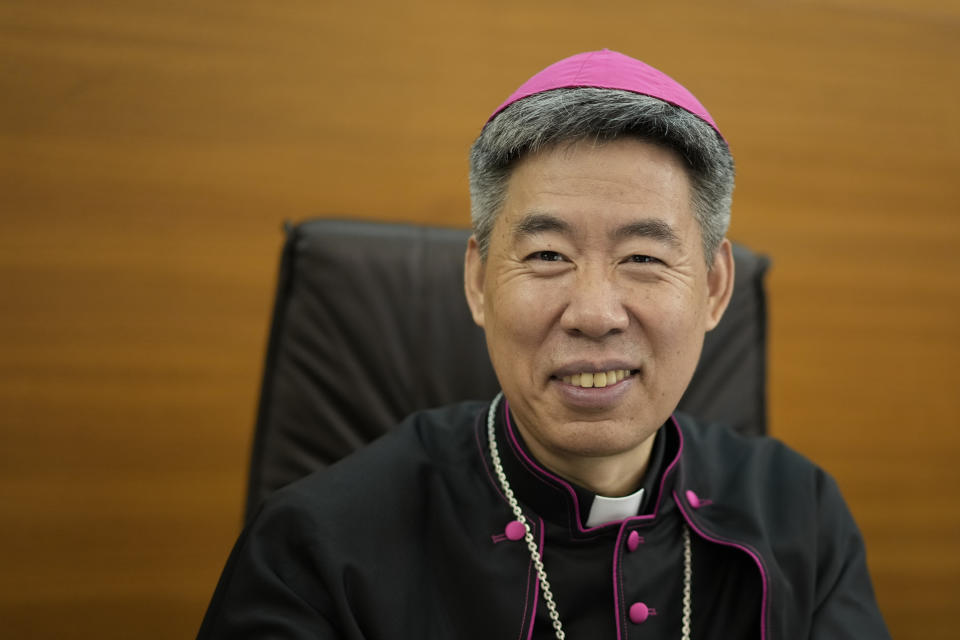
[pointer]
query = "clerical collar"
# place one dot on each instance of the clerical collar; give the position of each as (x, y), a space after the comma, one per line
(563, 502)
(606, 509)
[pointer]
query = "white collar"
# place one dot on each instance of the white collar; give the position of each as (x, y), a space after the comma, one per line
(606, 509)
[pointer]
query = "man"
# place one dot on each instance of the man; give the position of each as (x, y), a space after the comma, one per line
(575, 503)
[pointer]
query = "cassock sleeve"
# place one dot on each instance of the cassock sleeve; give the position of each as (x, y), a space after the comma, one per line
(273, 584)
(846, 607)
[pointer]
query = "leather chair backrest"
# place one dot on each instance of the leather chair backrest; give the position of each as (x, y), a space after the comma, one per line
(370, 324)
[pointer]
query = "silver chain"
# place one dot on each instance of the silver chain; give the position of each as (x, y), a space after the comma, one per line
(687, 579)
(535, 552)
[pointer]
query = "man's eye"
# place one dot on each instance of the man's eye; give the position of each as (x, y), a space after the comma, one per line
(547, 256)
(643, 259)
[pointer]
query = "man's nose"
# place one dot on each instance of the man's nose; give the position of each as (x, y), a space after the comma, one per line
(595, 306)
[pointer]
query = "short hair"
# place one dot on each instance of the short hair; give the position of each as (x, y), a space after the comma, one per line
(545, 120)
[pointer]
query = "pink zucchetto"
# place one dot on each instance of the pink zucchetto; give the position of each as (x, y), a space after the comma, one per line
(610, 70)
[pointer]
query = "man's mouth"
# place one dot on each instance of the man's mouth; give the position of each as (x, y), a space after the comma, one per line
(589, 380)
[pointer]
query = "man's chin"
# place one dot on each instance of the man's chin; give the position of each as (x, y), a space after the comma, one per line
(600, 438)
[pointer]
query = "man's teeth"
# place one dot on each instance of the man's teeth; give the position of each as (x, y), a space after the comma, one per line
(601, 379)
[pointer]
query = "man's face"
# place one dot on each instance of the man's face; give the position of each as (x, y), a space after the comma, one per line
(595, 265)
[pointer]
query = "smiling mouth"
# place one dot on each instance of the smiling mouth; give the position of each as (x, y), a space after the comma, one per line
(590, 380)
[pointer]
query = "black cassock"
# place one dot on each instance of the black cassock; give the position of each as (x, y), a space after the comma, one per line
(409, 538)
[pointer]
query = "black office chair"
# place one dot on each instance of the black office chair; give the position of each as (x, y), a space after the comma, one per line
(370, 324)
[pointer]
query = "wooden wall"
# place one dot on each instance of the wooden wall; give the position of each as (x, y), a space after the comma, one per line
(150, 150)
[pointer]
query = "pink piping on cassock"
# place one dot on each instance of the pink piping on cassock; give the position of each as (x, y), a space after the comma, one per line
(745, 549)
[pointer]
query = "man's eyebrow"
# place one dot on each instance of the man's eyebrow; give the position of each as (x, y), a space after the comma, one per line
(649, 228)
(534, 223)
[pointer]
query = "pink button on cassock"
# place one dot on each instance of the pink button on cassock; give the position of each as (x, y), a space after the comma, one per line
(639, 612)
(515, 530)
(633, 541)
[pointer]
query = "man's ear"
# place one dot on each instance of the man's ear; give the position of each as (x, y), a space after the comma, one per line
(474, 272)
(719, 283)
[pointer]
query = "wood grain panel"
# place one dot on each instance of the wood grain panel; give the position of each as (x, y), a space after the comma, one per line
(149, 152)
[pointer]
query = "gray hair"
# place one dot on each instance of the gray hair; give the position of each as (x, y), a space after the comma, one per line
(560, 116)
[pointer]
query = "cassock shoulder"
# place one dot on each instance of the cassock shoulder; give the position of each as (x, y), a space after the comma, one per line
(426, 452)
(325, 550)
(760, 466)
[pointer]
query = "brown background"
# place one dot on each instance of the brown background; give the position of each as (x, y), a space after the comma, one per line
(150, 149)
